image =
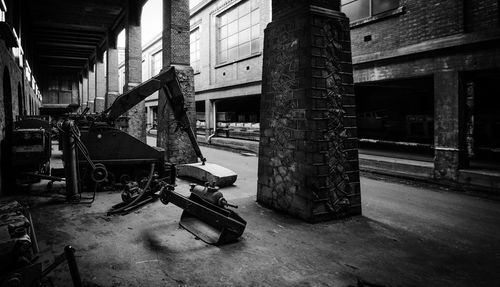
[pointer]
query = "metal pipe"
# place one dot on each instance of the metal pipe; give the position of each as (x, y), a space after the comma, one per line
(69, 253)
(70, 162)
(214, 111)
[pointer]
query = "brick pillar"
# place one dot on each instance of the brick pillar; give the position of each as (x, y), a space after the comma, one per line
(112, 85)
(85, 91)
(100, 86)
(176, 53)
(308, 157)
(80, 91)
(74, 92)
(91, 89)
(133, 69)
(449, 137)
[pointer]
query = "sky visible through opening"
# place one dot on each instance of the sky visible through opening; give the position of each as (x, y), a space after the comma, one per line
(151, 21)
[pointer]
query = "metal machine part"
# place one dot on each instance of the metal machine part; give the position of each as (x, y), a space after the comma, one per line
(210, 193)
(211, 223)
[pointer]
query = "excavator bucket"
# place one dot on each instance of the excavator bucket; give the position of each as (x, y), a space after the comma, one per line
(212, 224)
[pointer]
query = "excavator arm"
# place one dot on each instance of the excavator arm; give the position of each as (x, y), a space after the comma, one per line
(166, 80)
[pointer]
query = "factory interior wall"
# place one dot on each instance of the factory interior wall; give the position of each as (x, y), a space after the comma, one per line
(12, 80)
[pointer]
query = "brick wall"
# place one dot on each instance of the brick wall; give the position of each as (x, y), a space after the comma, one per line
(481, 15)
(308, 160)
(422, 21)
(9, 64)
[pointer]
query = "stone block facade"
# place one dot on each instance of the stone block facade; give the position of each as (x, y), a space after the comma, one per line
(177, 145)
(308, 158)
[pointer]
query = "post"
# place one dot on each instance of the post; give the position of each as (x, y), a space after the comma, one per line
(133, 69)
(85, 91)
(176, 53)
(112, 86)
(100, 85)
(449, 135)
(308, 157)
(69, 160)
(91, 100)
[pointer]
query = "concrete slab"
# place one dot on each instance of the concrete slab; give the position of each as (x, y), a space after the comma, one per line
(209, 172)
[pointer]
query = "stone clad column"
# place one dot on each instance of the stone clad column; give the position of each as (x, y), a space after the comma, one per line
(85, 90)
(176, 53)
(112, 85)
(308, 157)
(80, 90)
(100, 85)
(133, 69)
(449, 135)
(91, 89)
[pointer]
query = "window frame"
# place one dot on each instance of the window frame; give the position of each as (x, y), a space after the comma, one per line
(252, 43)
(153, 62)
(197, 68)
(370, 9)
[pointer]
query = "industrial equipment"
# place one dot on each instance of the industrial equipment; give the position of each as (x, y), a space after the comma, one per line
(31, 147)
(96, 153)
(19, 260)
(205, 214)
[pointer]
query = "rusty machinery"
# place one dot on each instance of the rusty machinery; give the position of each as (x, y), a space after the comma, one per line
(97, 153)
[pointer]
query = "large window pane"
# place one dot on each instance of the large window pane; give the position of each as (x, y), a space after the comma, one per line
(232, 54)
(232, 41)
(244, 22)
(222, 56)
(255, 46)
(255, 16)
(244, 36)
(244, 8)
(357, 10)
(223, 20)
(232, 28)
(232, 15)
(244, 49)
(379, 6)
(255, 31)
(223, 32)
(223, 45)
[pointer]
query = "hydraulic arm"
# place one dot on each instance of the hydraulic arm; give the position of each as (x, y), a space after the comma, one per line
(168, 82)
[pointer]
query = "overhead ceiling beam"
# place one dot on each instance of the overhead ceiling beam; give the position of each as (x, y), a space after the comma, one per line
(71, 26)
(63, 57)
(68, 45)
(65, 66)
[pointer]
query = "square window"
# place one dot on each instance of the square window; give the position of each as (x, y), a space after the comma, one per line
(244, 49)
(223, 56)
(223, 32)
(255, 31)
(223, 20)
(232, 15)
(244, 22)
(380, 6)
(244, 36)
(244, 8)
(232, 28)
(255, 16)
(356, 10)
(255, 46)
(232, 41)
(232, 54)
(223, 45)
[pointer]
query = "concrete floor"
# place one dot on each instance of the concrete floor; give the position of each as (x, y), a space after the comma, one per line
(408, 236)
